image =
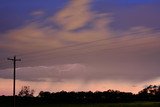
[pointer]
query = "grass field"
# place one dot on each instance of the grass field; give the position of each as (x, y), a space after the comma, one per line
(144, 104)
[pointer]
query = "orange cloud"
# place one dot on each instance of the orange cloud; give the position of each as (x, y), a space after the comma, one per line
(75, 15)
(31, 37)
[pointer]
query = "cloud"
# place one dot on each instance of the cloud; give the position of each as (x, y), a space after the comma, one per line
(131, 55)
(75, 86)
(30, 37)
(79, 24)
(126, 70)
(74, 16)
(56, 73)
(68, 86)
(38, 35)
(38, 13)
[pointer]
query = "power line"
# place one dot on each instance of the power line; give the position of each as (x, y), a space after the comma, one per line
(84, 53)
(71, 50)
(77, 48)
(74, 45)
(81, 46)
(54, 50)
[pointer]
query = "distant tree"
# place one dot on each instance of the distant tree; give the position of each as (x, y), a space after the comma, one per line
(44, 94)
(151, 90)
(26, 92)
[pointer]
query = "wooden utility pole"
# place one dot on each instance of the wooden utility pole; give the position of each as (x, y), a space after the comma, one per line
(14, 78)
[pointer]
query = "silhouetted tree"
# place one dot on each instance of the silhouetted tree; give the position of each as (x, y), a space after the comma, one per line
(26, 92)
(150, 90)
(150, 93)
(43, 94)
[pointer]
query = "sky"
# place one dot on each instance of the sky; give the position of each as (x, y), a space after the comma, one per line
(80, 45)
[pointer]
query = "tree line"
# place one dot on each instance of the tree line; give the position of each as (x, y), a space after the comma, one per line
(26, 96)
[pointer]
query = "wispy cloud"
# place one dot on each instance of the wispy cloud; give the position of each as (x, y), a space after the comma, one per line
(76, 23)
(36, 35)
(75, 15)
(38, 13)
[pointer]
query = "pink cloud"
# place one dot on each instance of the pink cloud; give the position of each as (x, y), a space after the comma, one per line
(75, 85)
(38, 13)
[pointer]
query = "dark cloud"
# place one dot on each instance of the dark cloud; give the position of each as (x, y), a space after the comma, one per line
(128, 68)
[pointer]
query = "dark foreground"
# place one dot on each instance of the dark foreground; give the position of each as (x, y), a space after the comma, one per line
(148, 97)
(137, 104)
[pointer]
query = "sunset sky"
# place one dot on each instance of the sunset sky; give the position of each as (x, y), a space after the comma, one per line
(80, 45)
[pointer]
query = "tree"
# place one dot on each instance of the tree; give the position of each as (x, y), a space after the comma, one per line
(26, 92)
(151, 90)
(43, 94)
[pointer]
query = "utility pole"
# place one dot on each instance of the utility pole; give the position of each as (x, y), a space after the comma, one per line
(14, 78)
